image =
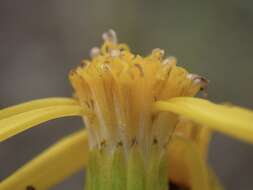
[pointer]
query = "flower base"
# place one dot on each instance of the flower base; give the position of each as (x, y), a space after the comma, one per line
(118, 170)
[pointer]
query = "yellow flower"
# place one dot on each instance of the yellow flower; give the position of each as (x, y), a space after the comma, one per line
(140, 116)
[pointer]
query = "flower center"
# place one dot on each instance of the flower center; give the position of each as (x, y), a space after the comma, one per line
(119, 89)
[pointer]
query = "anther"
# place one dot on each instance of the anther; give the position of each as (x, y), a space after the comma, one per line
(115, 52)
(95, 51)
(158, 53)
(110, 36)
(203, 82)
(105, 67)
(170, 61)
(83, 63)
(72, 72)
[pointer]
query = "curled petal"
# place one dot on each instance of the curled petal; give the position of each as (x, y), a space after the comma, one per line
(15, 124)
(231, 120)
(35, 104)
(52, 166)
(187, 167)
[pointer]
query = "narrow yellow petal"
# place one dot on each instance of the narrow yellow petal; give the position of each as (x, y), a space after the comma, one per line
(18, 123)
(187, 167)
(231, 120)
(214, 182)
(200, 135)
(52, 166)
(202, 140)
(35, 104)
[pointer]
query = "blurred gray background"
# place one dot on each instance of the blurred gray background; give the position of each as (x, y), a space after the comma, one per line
(41, 40)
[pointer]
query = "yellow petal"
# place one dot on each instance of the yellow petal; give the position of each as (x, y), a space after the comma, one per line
(35, 104)
(202, 140)
(200, 135)
(214, 182)
(70, 155)
(231, 120)
(52, 166)
(18, 123)
(186, 165)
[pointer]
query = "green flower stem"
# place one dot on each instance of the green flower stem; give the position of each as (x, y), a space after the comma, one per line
(118, 170)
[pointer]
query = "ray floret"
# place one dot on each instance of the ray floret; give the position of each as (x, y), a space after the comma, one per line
(36, 104)
(19, 118)
(228, 119)
(61, 160)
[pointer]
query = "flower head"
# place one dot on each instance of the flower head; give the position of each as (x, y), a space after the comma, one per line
(140, 115)
(119, 90)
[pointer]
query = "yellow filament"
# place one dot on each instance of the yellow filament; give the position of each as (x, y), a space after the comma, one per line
(231, 120)
(35, 104)
(61, 160)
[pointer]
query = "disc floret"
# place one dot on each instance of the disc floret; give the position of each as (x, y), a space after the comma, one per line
(119, 89)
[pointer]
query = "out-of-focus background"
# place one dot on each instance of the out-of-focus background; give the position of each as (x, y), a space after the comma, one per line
(40, 41)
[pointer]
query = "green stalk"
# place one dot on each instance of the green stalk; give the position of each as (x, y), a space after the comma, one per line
(117, 170)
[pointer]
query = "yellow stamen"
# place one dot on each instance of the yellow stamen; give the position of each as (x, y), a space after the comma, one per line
(119, 88)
